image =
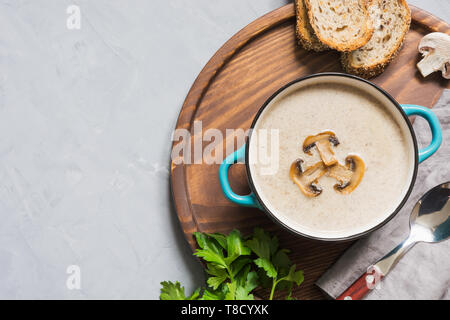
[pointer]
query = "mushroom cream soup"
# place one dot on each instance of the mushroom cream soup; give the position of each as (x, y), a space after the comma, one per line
(365, 129)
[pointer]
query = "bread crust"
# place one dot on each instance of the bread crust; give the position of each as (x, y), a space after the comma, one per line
(376, 69)
(306, 38)
(349, 46)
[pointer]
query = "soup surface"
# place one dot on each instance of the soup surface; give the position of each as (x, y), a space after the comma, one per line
(364, 126)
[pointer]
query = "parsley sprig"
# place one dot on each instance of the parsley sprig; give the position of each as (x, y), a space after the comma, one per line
(237, 265)
(277, 267)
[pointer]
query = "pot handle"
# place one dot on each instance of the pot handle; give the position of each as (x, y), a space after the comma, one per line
(436, 131)
(247, 200)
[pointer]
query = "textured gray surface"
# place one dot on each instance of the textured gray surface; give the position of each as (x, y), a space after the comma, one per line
(423, 272)
(86, 118)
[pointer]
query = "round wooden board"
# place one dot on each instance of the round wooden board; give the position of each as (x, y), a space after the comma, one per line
(227, 94)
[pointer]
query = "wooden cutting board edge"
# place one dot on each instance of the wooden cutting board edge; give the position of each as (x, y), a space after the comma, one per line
(178, 183)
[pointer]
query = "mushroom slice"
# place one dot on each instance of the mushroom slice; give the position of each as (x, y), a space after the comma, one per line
(349, 176)
(307, 179)
(435, 48)
(323, 142)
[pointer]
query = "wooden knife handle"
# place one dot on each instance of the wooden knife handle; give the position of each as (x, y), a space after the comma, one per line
(362, 286)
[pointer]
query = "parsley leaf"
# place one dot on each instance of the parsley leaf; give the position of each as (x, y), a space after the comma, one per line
(215, 282)
(240, 290)
(239, 264)
(220, 238)
(212, 295)
(174, 291)
(267, 266)
(212, 257)
(294, 276)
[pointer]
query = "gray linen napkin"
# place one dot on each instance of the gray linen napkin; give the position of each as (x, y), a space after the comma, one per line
(424, 272)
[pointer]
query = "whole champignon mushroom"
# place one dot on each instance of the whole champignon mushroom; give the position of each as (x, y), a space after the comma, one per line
(435, 48)
(348, 176)
(307, 179)
(323, 142)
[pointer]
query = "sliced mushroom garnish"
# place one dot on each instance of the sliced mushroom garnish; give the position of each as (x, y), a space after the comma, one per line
(435, 48)
(323, 142)
(348, 176)
(307, 179)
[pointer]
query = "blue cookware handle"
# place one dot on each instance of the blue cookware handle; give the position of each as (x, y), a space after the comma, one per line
(436, 131)
(246, 200)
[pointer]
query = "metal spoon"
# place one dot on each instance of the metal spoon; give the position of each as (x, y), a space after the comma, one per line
(429, 222)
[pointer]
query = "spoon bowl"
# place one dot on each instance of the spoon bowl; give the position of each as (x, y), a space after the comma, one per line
(430, 218)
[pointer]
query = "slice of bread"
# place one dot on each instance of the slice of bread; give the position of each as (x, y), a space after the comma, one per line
(343, 25)
(304, 31)
(391, 20)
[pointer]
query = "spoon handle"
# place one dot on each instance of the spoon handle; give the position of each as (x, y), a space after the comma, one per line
(371, 279)
(362, 286)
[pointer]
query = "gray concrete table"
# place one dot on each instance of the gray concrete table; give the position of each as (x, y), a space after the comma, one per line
(87, 109)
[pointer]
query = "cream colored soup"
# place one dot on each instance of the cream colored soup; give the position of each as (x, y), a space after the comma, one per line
(364, 126)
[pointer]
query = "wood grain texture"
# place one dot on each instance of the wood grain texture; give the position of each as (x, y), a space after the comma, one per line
(229, 91)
